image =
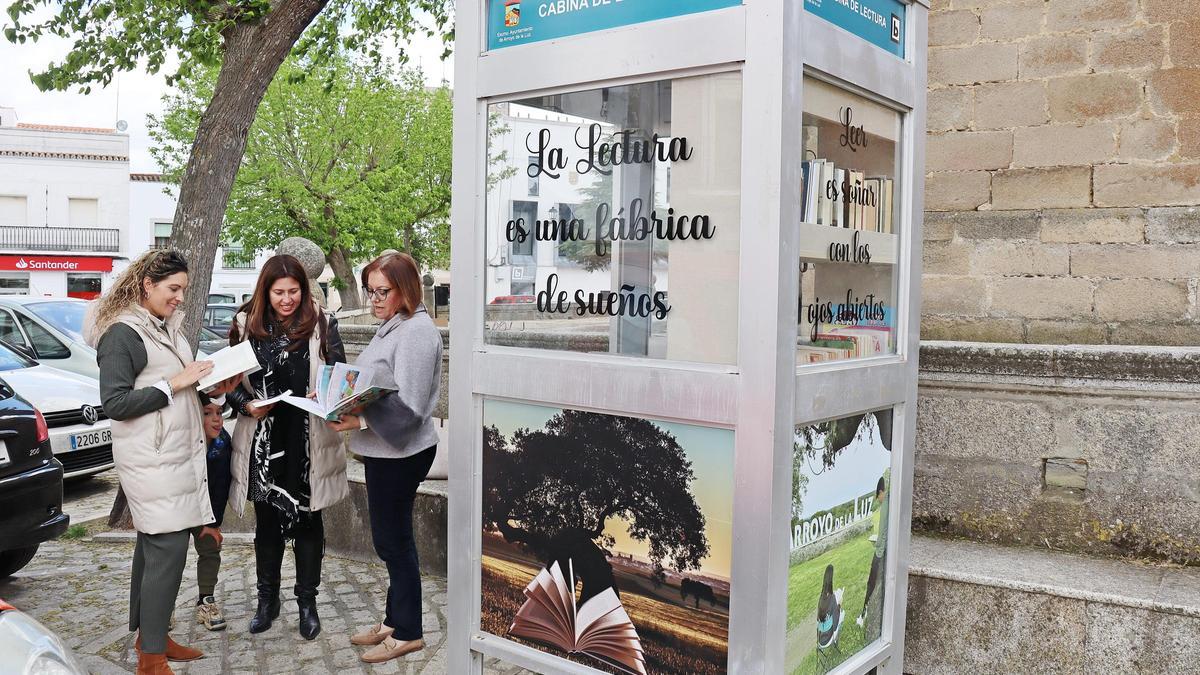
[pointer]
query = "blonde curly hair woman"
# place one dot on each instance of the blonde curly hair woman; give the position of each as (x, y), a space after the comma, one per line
(148, 386)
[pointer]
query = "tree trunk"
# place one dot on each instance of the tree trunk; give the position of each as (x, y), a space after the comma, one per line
(253, 53)
(343, 270)
(119, 517)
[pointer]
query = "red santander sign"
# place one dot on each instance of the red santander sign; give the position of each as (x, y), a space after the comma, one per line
(54, 263)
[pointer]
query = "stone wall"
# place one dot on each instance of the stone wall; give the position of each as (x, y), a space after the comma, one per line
(1063, 172)
(1090, 449)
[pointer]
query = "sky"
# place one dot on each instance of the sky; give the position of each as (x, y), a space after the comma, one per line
(855, 473)
(711, 453)
(131, 97)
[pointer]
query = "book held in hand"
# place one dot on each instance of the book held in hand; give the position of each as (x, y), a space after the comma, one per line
(342, 388)
(600, 628)
(238, 359)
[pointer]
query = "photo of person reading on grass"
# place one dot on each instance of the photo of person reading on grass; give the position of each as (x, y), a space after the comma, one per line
(840, 472)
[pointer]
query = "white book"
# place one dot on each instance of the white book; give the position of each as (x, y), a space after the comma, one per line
(827, 204)
(236, 360)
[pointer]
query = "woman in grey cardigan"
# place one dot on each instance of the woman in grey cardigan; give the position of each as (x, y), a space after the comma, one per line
(397, 439)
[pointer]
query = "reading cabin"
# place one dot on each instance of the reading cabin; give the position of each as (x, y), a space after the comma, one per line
(686, 251)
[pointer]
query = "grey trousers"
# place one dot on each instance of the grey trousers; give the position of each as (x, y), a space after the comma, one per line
(158, 562)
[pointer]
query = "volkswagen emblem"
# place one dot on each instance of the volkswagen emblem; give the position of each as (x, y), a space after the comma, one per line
(90, 415)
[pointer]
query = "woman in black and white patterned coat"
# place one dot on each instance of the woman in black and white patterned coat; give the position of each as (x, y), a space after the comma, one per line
(289, 464)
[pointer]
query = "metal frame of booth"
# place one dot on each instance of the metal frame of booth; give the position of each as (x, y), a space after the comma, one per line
(764, 396)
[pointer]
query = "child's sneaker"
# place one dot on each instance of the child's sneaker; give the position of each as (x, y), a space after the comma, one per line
(208, 612)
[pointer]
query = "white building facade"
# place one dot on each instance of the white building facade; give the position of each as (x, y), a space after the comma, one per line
(64, 208)
(152, 210)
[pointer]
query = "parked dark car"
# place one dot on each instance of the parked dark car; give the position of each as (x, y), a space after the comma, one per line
(218, 318)
(31, 483)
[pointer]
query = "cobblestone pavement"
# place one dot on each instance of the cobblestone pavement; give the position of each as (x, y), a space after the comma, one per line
(79, 589)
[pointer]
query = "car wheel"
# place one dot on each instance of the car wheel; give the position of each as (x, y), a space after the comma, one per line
(13, 561)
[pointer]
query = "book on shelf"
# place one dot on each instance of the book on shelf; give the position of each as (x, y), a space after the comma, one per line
(862, 202)
(825, 204)
(237, 359)
(343, 387)
(868, 340)
(599, 628)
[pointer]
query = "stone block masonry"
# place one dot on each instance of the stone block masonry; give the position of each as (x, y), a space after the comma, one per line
(1063, 172)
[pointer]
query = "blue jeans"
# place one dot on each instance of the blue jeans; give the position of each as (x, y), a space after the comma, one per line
(391, 489)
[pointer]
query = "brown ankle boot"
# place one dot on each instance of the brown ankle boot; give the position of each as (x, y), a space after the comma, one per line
(153, 664)
(175, 651)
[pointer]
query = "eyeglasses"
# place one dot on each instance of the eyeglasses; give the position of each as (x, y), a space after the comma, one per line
(376, 293)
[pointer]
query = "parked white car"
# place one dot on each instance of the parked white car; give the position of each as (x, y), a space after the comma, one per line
(51, 331)
(30, 647)
(80, 432)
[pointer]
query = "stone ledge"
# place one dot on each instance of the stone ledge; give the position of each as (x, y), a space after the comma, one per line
(1158, 588)
(1178, 367)
(984, 608)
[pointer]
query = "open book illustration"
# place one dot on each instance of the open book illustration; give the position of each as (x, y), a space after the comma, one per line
(600, 628)
(236, 360)
(341, 388)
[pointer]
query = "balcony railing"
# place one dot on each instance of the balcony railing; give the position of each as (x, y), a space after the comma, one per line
(78, 239)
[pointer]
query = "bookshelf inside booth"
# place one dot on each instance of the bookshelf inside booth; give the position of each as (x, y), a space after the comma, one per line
(849, 225)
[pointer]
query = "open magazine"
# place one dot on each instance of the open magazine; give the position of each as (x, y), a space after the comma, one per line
(600, 628)
(340, 389)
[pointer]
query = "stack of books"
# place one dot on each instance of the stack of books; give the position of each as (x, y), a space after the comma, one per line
(837, 341)
(845, 198)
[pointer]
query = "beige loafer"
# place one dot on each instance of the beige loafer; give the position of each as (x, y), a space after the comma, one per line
(371, 636)
(390, 649)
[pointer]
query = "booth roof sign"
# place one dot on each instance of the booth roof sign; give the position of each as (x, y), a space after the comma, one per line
(880, 22)
(53, 263)
(516, 22)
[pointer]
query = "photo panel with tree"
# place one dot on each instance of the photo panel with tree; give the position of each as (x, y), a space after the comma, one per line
(841, 489)
(607, 539)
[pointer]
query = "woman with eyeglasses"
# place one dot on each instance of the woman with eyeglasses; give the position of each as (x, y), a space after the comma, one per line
(397, 439)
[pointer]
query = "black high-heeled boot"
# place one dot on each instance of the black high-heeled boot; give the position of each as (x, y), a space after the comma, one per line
(310, 623)
(268, 559)
(309, 549)
(267, 612)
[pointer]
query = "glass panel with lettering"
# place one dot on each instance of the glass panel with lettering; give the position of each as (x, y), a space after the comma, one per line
(628, 244)
(849, 239)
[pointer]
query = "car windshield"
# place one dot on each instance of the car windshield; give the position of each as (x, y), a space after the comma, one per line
(65, 316)
(206, 335)
(11, 360)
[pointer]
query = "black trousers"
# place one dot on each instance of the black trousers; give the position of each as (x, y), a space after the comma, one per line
(391, 489)
(269, 545)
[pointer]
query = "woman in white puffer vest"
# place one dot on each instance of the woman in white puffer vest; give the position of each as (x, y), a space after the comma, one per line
(148, 387)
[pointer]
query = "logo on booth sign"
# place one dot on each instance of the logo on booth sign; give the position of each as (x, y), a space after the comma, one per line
(512, 13)
(21, 264)
(90, 415)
